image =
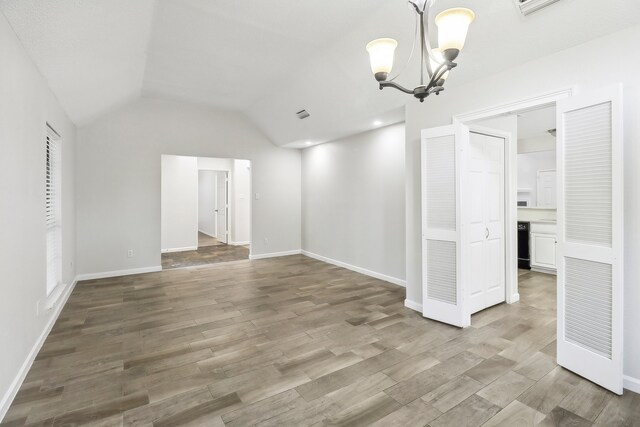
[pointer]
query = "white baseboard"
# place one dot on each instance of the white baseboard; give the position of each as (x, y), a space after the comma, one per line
(357, 269)
(10, 394)
(514, 298)
(116, 273)
(632, 384)
(275, 254)
(186, 248)
(413, 305)
(240, 243)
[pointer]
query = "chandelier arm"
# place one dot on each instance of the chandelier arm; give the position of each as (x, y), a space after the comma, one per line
(395, 86)
(426, 41)
(422, 48)
(413, 47)
(441, 71)
(426, 48)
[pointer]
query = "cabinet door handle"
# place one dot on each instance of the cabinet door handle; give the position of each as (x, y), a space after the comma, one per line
(486, 233)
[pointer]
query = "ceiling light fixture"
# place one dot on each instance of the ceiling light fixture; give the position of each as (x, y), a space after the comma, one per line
(452, 31)
(377, 123)
(308, 143)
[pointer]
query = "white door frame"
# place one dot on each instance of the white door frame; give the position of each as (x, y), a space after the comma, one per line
(511, 175)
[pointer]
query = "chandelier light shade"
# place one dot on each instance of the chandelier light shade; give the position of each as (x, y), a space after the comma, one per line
(381, 52)
(435, 63)
(453, 25)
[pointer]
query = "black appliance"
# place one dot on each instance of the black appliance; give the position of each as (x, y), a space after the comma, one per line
(524, 258)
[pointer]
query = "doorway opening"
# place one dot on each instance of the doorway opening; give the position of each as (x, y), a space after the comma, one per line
(205, 210)
(586, 248)
(533, 136)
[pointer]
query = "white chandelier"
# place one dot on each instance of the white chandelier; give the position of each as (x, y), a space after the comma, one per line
(452, 31)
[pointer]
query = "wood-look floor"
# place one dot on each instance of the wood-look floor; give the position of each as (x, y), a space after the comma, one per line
(296, 342)
(204, 255)
(206, 240)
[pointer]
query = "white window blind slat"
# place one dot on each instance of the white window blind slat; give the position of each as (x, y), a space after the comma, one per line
(53, 211)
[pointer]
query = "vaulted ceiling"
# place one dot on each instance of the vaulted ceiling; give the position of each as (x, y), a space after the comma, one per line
(272, 58)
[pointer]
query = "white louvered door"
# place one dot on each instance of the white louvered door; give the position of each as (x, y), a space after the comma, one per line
(590, 236)
(441, 269)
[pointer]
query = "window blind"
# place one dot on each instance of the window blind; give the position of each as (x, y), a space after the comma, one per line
(53, 210)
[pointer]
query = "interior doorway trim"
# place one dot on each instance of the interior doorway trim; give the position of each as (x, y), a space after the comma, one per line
(533, 102)
(511, 175)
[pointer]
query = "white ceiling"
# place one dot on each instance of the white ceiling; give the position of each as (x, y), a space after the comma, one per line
(92, 52)
(536, 123)
(271, 58)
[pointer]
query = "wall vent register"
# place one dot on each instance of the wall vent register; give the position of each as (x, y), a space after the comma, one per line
(527, 7)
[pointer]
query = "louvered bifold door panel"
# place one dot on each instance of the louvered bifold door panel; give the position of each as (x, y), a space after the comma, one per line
(590, 237)
(588, 305)
(441, 183)
(440, 230)
(441, 271)
(587, 184)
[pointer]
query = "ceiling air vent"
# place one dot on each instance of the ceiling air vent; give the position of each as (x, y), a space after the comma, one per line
(302, 114)
(529, 6)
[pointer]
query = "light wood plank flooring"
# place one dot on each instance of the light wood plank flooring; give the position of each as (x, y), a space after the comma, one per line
(204, 255)
(296, 342)
(206, 240)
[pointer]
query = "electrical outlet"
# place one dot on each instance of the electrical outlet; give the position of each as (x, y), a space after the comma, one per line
(130, 253)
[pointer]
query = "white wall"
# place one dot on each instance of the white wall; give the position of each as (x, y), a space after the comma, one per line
(353, 201)
(26, 105)
(179, 203)
(214, 164)
(207, 191)
(528, 166)
(540, 143)
(571, 68)
(241, 201)
(118, 180)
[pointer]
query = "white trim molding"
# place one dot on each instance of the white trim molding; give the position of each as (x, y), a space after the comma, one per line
(413, 305)
(533, 102)
(240, 243)
(117, 273)
(275, 254)
(10, 394)
(374, 274)
(186, 248)
(632, 384)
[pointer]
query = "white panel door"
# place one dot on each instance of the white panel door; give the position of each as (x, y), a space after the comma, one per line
(590, 236)
(442, 293)
(485, 211)
(547, 184)
(222, 204)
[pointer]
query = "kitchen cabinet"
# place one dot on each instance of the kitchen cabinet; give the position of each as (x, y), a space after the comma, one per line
(543, 246)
